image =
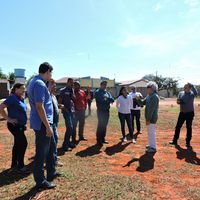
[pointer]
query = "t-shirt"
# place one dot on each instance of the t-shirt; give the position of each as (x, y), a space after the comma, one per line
(80, 101)
(17, 108)
(124, 104)
(38, 92)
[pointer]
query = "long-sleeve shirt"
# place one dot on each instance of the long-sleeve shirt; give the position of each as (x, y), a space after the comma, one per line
(103, 99)
(151, 109)
(187, 100)
(80, 100)
(124, 104)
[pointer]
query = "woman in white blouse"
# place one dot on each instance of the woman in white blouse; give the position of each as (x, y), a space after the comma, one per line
(124, 103)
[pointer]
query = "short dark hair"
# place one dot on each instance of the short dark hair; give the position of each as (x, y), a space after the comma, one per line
(16, 86)
(45, 67)
(70, 79)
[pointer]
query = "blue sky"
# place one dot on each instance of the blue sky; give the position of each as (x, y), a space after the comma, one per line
(122, 39)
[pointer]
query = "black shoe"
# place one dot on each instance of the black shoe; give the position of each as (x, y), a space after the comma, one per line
(173, 143)
(65, 149)
(72, 146)
(82, 139)
(188, 145)
(105, 142)
(57, 174)
(99, 144)
(46, 186)
(24, 170)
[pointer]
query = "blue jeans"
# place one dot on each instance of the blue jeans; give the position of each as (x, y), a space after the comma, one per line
(69, 123)
(55, 134)
(45, 147)
(126, 118)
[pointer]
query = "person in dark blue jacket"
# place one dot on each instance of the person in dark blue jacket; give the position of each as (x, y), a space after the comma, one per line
(103, 101)
(16, 123)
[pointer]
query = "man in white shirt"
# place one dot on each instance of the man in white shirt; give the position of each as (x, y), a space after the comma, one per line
(135, 108)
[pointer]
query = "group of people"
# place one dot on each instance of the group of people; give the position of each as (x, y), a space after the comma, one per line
(73, 101)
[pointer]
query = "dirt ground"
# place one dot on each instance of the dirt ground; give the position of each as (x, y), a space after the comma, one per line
(172, 173)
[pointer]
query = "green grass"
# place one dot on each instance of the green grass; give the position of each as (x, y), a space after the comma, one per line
(88, 174)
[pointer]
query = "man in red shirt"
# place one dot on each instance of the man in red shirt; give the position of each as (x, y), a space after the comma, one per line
(80, 107)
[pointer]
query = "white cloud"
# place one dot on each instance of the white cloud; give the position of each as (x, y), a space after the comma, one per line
(186, 63)
(163, 42)
(158, 7)
(192, 3)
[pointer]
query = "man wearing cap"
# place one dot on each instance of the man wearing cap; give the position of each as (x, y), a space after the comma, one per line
(135, 108)
(80, 107)
(103, 101)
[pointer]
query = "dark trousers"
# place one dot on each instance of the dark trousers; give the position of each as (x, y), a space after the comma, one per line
(45, 148)
(89, 107)
(103, 118)
(20, 144)
(135, 114)
(55, 133)
(79, 119)
(188, 117)
(69, 123)
(126, 118)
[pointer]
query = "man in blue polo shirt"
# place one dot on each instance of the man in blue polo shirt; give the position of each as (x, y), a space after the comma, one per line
(41, 120)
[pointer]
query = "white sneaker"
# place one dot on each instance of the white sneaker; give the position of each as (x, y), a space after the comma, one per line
(124, 139)
(133, 141)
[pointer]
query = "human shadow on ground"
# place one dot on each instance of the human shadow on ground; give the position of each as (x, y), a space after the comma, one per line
(188, 154)
(90, 151)
(146, 162)
(117, 148)
(8, 177)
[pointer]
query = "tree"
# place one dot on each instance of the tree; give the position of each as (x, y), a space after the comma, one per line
(11, 76)
(198, 88)
(164, 83)
(29, 79)
(2, 75)
(170, 84)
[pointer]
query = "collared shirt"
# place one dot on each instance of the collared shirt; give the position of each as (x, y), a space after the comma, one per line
(80, 101)
(66, 95)
(17, 108)
(124, 104)
(135, 105)
(38, 92)
(103, 99)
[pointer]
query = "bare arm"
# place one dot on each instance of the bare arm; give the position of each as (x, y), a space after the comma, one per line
(4, 114)
(42, 114)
